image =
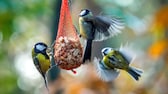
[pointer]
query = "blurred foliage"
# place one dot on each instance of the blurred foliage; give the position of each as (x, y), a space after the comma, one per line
(25, 22)
(15, 31)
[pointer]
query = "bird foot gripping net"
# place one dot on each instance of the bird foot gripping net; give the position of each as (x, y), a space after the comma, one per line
(68, 49)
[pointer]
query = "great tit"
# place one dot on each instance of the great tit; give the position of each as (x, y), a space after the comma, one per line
(97, 28)
(41, 59)
(113, 60)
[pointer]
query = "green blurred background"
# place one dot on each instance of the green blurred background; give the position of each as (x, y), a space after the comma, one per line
(25, 22)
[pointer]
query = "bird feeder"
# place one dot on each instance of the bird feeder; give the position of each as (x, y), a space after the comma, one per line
(68, 49)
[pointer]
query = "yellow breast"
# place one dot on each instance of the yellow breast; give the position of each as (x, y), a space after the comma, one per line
(44, 63)
(82, 29)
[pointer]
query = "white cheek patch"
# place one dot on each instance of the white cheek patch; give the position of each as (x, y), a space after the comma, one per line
(106, 50)
(40, 47)
(83, 12)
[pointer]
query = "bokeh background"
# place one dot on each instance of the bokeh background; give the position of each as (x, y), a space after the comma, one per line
(25, 22)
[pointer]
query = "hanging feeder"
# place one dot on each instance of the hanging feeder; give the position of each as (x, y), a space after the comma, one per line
(68, 50)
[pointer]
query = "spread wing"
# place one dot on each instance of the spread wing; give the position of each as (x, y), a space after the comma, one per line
(105, 73)
(127, 53)
(106, 27)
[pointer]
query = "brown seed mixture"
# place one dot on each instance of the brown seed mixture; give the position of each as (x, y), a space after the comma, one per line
(68, 53)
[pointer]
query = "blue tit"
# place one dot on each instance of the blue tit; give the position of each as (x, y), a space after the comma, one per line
(41, 59)
(112, 61)
(96, 28)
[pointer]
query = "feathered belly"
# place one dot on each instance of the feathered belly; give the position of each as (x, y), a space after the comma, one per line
(83, 32)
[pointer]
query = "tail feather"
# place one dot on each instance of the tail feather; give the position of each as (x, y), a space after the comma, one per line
(45, 82)
(135, 73)
(88, 51)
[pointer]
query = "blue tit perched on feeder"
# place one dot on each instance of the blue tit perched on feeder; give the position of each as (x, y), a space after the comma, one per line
(96, 28)
(113, 60)
(41, 59)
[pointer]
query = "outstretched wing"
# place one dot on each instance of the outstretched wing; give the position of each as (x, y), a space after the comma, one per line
(104, 73)
(106, 27)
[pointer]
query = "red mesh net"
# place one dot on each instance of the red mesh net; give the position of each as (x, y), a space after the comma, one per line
(68, 50)
(66, 27)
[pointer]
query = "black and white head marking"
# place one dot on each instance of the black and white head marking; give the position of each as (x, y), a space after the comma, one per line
(40, 47)
(106, 50)
(84, 12)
